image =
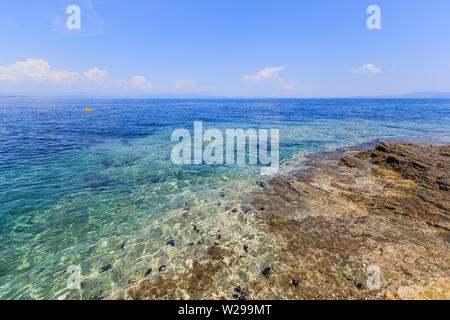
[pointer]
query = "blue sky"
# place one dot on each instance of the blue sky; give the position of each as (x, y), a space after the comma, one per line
(242, 48)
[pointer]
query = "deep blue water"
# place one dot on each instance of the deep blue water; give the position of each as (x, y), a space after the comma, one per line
(71, 179)
(33, 128)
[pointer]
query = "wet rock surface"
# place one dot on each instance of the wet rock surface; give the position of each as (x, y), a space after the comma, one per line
(348, 224)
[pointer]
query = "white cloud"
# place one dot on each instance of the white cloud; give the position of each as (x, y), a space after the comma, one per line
(64, 76)
(271, 73)
(368, 68)
(265, 74)
(6, 76)
(183, 84)
(39, 71)
(140, 82)
(96, 74)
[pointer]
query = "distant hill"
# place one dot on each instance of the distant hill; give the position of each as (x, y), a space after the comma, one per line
(414, 95)
(11, 96)
(81, 95)
(420, 95)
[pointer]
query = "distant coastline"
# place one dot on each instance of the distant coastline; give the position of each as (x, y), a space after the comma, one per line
(166, 96)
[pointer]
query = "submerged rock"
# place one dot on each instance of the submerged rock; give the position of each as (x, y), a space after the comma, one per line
(148, 272)
(161, 268)
(266, 272)
(105, 268)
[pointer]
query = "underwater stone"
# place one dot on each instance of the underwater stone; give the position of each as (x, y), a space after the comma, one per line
(124, 245)
(245, 209)
(266, 272)
(240, 294)
(186, 210)
(105, 268)
(148, 272)
(261, 184)
(161, 268)
(156, 233)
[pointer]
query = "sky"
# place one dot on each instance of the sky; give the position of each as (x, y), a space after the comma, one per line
(229, 48)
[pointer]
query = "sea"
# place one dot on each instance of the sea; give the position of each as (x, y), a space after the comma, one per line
(80, 188)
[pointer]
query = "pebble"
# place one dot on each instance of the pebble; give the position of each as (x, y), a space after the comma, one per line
(147, 273)
(161, 268)
(105, 268)
(266, 272)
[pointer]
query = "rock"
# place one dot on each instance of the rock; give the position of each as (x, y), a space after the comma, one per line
(370, 206)
(245, 209)
(105, 268)
(240, 294)
(171, 242)
(266, 272)
(438, 290)
(351, 162)
(148, 272)
(427, 165)
(261, 184)
(217, 253)
(190, 285)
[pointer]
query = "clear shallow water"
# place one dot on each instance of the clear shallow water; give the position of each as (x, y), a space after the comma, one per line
(74, 186)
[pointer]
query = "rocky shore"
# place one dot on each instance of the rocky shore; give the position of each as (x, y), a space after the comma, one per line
(348, 224)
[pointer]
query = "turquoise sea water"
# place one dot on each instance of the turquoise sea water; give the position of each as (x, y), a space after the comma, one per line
(74, 185)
